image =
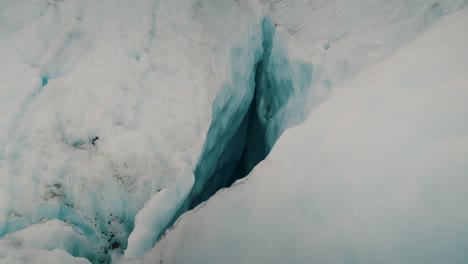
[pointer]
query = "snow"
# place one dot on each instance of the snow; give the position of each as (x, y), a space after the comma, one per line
(47, 242)
(154, 217)
(377, 173)
(55, 256)
(342, 37)
(158, 82)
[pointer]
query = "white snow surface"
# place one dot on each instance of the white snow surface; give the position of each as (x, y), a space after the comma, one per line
(46, 242)
(143, 75)
(377, 174)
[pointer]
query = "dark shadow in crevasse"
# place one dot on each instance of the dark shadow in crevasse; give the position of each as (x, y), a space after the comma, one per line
(243, 151)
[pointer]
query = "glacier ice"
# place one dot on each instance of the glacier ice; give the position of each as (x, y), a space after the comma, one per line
(64, 240)
(174, 96)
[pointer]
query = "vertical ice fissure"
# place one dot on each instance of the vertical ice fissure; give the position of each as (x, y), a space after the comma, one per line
(247, 146)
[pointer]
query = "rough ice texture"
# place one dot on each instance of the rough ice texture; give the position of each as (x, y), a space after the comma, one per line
(22, 246)
(143, 78)
(377, 173)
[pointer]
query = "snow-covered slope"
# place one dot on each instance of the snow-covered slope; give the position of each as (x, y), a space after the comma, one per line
(377, 174)
(117, 116)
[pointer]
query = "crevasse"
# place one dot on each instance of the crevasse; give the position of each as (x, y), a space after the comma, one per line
(249, 115)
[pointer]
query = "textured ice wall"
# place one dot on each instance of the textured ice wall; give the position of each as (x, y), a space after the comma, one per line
(135, 75)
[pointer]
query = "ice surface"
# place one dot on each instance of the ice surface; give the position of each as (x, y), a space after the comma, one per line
(50, 235)
(377, 173)
(150, 79)
(48, 242)
(135, 75)
(55, 256)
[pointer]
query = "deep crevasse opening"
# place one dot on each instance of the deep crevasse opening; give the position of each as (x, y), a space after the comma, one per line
(240, 137)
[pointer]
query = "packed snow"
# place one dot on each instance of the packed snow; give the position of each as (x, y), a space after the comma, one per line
(116, 117)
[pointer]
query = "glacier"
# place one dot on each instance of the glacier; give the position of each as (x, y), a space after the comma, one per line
(122, 124)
